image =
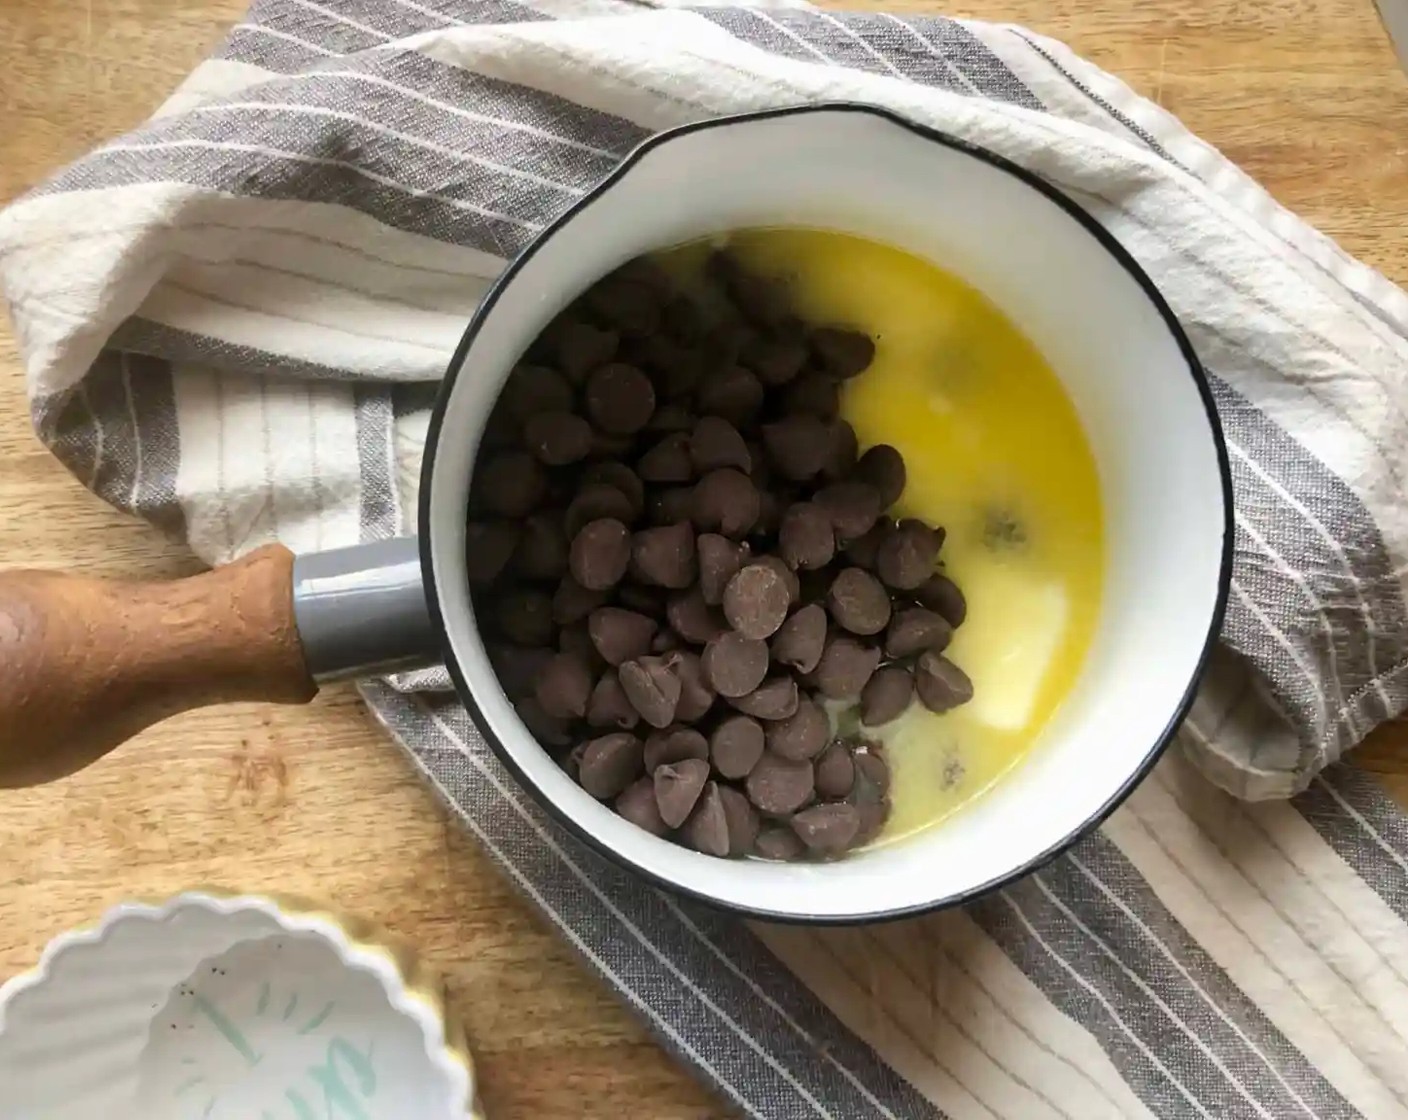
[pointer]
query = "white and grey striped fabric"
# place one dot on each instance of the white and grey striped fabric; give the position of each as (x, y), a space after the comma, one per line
(233, 319)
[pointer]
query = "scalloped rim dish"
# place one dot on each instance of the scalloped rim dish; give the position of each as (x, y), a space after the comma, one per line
(412, 990)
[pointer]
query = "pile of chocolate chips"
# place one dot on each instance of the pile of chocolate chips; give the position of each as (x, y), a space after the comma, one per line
(679, 558)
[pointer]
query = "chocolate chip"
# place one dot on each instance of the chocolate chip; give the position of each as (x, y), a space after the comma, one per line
(756, 601)
(844, 353)
(801, 735)
(786, 574)
(542, 547)
(813, 394)
(762, 299)
(941, 594)
(725, 501)
(517, 667)
(940, 683)
(652, 689)
(770, 507)
(886, 695)
(487, 548)
(680, 378)
(733, 393)
(706, 830)
(797, 446)
(915, 629)
(608, 705)
(736, 745)
(859, 601)
(723, 267)
(557, 438)
(775, 699)
(500, 431)
(727, 272)
(572, 760)
(582, 347)
(623, 479)
(610, 764)
(671, 418)
(727, 337)
(845, 667)
(715, 443)
(525, 617)
(548, 730)
(828, 829)
(762, 473)
(605, 445)
(683, 320)
(835, 772)
(564, 686)
(742, 819)
(842, 447)
(637, 805)
(735, 665)
(595, 501)
(641, 599)
(719, 561)
(544, 347)
(677, 788)
(693, 619)
(532, 389)
(853, 508)
(906, 556)
(778, 786)
(620, 399)
(805, 536)
(671, 505)
(779, 843)
(654, 353)
(776, 361)
(511, 484)
(872, 778)
(862, 551)
(800, 640)
(932, 534)
(668, 460)
(883, 467)
(674, 744)
(649, 272)
(696, 694)
(572, 602)
(577, 640)
(626, 303)
(872, 820)
(664, 556)
(600, 554)
(620, 635)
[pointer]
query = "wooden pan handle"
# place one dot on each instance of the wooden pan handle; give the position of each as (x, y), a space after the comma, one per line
(88, 663)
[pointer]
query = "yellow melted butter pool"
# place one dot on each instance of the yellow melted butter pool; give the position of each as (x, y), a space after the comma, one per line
(995, 454)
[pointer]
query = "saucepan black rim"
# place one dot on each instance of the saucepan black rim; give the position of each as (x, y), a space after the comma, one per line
(1111, 246)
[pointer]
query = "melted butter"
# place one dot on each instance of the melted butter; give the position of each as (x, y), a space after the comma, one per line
(995, 454)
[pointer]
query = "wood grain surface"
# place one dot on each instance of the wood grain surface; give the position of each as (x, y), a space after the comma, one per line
(1304, 94)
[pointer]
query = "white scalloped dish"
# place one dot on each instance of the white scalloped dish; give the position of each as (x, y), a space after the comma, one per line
(229, 1007)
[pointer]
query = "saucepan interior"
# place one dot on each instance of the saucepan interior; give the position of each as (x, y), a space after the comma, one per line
(1099, 322)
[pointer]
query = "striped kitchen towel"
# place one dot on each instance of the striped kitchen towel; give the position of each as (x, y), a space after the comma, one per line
(233, 319)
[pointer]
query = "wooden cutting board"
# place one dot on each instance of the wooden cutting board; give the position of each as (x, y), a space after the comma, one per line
(1304, 94)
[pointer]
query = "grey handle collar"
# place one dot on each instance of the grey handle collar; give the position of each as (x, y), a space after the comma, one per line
(361, 611)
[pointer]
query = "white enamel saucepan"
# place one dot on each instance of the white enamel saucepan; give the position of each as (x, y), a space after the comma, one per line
(84, 664)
